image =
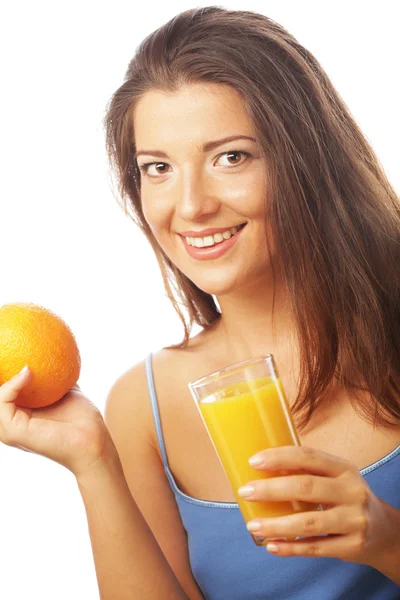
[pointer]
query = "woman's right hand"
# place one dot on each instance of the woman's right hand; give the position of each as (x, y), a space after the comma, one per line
(71, 431)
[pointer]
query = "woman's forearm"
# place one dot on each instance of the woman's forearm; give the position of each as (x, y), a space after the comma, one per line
(128, 560)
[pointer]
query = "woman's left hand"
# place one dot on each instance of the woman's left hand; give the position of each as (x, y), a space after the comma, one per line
(358, 526)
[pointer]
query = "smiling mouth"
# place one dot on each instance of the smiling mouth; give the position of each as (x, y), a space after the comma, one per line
(209, 241)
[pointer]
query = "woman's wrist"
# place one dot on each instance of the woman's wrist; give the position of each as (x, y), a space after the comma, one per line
(108, 463)
(388, 560)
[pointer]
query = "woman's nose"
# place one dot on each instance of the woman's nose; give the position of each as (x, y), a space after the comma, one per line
(195, 198)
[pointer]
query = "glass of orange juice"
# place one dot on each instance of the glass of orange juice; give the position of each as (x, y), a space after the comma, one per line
(245, 411)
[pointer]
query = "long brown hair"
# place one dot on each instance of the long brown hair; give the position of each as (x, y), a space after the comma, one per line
(334, 216)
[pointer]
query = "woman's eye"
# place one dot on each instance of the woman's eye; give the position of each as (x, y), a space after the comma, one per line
(146, 168)
(233, 157)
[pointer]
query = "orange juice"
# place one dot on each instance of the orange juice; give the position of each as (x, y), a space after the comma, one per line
(243, 419)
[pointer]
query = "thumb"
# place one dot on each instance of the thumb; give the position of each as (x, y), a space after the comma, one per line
(10, 389)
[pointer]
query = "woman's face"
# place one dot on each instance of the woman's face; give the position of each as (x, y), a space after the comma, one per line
(195, 187)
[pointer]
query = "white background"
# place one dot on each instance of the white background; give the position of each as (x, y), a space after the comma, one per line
(66, 244)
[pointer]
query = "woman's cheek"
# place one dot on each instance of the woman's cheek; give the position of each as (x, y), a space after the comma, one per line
(245, 195)
(159, 226)
(153, 217)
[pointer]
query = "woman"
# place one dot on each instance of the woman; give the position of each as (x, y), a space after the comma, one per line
(277, 231)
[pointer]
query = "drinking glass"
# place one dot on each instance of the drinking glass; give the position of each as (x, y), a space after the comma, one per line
(245, 411)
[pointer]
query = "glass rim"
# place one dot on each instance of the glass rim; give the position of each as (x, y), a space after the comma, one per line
(230, 369)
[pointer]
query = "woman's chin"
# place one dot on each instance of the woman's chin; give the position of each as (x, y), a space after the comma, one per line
(219, 287)
(246, 282)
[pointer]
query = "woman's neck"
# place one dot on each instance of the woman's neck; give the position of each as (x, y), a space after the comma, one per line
(254, 322)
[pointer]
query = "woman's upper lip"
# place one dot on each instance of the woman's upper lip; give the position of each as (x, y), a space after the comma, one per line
(209, 231)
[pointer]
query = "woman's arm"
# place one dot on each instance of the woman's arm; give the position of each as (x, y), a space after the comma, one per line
(130, 422)
(128, 560)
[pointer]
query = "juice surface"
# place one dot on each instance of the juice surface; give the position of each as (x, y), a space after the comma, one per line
(243, 419)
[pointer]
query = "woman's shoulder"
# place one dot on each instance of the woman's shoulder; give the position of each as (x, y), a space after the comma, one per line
(126, 402)
(186, 362)
(165, 363)
(171, 369)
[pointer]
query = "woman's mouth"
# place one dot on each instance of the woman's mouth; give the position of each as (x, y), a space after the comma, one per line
(212, 246)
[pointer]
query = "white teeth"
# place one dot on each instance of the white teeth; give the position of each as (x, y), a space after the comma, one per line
(210, 240)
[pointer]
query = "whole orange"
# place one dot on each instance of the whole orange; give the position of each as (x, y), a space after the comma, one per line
(33, 335)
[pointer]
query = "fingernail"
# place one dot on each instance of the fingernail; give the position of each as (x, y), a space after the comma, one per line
(254, 526)
(246, 490)
(23, 371)
(255, 461)
(272, 548)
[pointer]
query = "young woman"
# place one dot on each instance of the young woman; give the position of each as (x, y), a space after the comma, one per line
(277, 231)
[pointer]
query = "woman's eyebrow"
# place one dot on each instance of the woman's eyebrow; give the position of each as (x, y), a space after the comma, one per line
(207, 147)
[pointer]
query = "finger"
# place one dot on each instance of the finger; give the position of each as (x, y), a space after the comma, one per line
(338, 520)
(309, 488)
(300, 458)
(345, 547)
(9, 392)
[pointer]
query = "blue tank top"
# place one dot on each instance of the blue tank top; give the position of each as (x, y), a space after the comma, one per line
(227, 565)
